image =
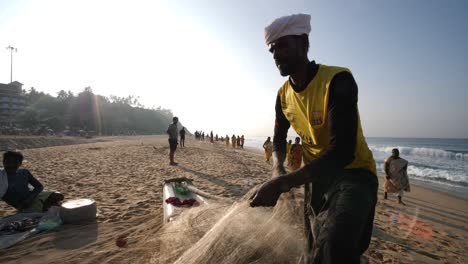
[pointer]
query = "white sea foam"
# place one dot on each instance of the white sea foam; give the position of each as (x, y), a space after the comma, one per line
(428, 152)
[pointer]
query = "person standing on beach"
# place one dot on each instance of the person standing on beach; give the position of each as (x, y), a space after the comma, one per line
(15, 187)
(268, 147)
(320, 103)
(233, 140)
(227, 141)
(182, 137)
(396, 176)
(288, 149)
(295, 155)
(173, 135)
(242, 140)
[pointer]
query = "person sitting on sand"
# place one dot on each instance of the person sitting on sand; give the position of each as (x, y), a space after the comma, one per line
(173, 135)
(268, 147)
(396, 176)
(295, 155)
(18, 194)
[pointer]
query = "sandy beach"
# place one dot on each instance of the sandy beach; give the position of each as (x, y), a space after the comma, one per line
(125, 175)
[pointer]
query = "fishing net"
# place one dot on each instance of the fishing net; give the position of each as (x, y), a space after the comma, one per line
(235, 233)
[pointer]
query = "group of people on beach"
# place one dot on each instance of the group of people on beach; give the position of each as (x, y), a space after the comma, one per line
(234, 141)
(293, 152)
(339, 174)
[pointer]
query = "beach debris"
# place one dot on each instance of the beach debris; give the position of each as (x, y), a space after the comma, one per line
(121, 241)
(95, 148)
(249, 183)
(50, 220)
(185, 203)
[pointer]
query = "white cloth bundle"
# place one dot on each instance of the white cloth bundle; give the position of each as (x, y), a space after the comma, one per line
(298, 24)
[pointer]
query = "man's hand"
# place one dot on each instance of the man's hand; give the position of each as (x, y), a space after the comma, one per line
(269, 193)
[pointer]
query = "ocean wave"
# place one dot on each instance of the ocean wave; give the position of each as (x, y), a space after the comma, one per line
(451, 177)
(428, 152)
(455, 177)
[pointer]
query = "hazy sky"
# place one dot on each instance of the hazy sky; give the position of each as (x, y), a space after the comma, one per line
(207, 61)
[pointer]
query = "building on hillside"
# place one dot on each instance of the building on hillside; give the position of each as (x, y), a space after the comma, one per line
(12, 101)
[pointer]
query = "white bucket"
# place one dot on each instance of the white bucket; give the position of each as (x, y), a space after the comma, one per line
(78, 211)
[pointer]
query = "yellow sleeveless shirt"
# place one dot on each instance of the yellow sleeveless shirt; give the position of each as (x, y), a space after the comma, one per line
(307, 112)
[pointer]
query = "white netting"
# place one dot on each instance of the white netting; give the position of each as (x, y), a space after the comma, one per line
(237, 233)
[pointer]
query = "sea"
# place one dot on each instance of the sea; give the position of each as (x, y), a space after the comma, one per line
(437, 163)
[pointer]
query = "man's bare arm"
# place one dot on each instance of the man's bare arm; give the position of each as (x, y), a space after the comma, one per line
(279, 139)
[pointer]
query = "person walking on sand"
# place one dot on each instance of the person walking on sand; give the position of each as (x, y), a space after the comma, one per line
(268, 147)
(233, 140)
(14, 189)
(211, 137)
(320, 103)
(396, 176)
(295, 155)
(242, 141)
(173, 135)
(182, 137)
(238, 141)
(227, 141)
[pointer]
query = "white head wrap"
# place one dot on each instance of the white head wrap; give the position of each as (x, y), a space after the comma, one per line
(288, 25)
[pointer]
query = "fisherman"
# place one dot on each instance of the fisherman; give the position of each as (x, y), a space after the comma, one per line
(15, 190)
(173, 135)
(396, 175)
(320, 103)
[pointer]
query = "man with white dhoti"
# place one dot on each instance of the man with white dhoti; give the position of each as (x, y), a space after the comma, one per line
(396, 176)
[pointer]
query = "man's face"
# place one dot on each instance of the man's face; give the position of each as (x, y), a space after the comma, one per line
(395, 153)
(288, 53)
(11, 164)
(175, 121)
